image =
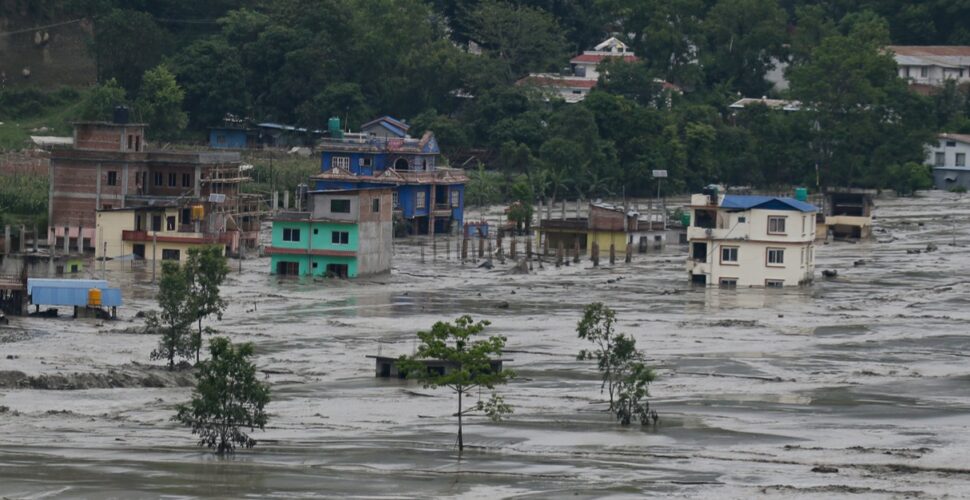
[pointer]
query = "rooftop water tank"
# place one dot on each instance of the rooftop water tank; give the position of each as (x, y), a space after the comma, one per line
(333, 126)
(801, 194)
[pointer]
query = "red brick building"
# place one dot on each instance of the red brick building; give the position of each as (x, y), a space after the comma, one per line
(109, 167)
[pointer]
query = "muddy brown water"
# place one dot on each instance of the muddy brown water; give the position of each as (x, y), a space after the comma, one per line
(867, 373)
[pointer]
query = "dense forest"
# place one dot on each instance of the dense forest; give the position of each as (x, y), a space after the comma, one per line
(185, 65)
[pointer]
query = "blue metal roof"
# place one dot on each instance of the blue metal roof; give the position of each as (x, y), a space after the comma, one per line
(745, 202)
(70, 292)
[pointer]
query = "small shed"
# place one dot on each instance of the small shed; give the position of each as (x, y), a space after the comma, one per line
(74, 293)
(386, 366)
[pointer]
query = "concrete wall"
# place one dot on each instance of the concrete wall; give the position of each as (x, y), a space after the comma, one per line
(322, 204)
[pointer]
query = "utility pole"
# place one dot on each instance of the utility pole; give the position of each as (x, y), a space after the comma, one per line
(154, 255)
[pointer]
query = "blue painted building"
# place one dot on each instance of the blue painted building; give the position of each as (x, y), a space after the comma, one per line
(429, 197)
(230, 138)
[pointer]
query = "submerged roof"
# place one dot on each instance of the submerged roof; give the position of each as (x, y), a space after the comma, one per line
(748, 202)
(70, 292)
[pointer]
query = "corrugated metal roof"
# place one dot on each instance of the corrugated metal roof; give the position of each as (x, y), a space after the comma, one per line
(70, 292)
(747, 202)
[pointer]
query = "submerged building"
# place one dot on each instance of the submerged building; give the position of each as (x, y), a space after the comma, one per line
(344, 233)
(111, 194)
(606, 225)
(750, 241)
(428, 196)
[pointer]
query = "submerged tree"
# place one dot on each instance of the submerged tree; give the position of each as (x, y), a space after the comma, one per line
(205, 270)
(227, 399)
(175, 316)
(469, 365)
(625, 375)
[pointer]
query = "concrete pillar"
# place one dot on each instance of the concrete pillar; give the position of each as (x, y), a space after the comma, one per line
(276, 201)
(559, 255)
(576, 251)
(80, 239)
(594, 254)
(286, 200)
(528, 248)
(545, 245)
(512, 248)
(23, 238)
(67, 243)
(35, 238)
(481, 247)
(612, 254)
(464, 249)
(6, 239)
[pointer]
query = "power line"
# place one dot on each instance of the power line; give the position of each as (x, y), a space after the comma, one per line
(28, 30)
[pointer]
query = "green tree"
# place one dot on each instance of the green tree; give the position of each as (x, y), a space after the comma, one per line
(212, 76)
(227, 399)
(742, 38)
(160, 103)
(126, 44)
(99, 103)
(523, 38)
(205, 270)
(624, 374)
(469, 365)
(909, 177)
(174, 319)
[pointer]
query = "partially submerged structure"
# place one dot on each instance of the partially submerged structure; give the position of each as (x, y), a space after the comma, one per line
(142, 197)
(427, 197)
(948, 156)
(750, 240)
(847, 213)
(345, 233)
(386, 366)
(88, 298)
(606, 225)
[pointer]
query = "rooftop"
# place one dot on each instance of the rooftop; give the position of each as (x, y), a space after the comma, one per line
(931, 50)
(964, 138)
(595, 56)
(782, 104)
(748, 202)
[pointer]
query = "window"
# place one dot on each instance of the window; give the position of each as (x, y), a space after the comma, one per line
(316, 231)
(776, 257)
(729, 255)
(924, 71)
(156, 223)
(961, 160)
(774, 283)
(158, 178)
(376, 205)
(288, 268)
(394, 199)
(340, 206)
(776, 225)
(951, 144)
(291, 234)
(220, 139)
(940, 159)
(341, 162)
(340, 237)
(170, 254)
(419, 200)
(314, 265)
(131, 142)
(455, 198)
(171, 180)
(170, 223)
(106, 207)
(186, 180)
(366, 162)
(728, 282)
(699, 251)
(742, 220)
(112, 178)
(137, 143)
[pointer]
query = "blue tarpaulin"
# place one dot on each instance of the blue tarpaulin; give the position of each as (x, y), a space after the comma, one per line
(70, 292)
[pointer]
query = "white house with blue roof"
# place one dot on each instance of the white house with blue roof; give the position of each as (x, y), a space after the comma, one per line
(764, 241)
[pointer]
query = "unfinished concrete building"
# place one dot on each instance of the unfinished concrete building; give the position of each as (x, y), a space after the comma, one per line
(109, 169)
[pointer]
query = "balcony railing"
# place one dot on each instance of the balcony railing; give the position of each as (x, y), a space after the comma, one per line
(199, 238)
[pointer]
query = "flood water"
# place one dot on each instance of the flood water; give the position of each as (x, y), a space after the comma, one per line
(867, 374)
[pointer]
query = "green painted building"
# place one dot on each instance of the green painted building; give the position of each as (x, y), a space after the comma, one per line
(345, 233)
